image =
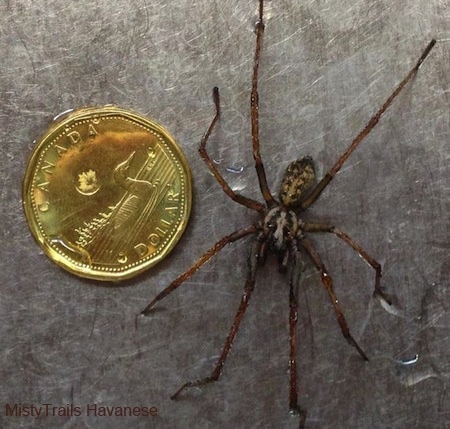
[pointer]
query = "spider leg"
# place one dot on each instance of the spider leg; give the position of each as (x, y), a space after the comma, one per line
(254, 105)
(318, 227)
(237, 235)
(293, 317)
(328, 283)
(368, 128)
(248, 289)
(247, 202)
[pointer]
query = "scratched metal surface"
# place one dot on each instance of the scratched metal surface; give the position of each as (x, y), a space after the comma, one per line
(326, 67)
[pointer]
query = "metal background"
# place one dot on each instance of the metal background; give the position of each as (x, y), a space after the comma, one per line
(326, 67)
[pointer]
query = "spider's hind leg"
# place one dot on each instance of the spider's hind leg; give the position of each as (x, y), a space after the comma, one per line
(247, 202)
(248, 289)
(254, 108)
(367, 129)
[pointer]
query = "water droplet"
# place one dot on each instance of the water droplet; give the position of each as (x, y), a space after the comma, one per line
(235, 170)
(408, 361)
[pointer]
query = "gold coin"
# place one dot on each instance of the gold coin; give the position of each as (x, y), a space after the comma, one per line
(107, 193)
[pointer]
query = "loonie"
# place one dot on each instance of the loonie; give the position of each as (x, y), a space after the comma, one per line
(107, 193)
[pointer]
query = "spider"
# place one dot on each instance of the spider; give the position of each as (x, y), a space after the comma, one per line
(281, 230)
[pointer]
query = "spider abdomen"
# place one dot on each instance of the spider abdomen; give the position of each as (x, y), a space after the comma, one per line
(297, 179)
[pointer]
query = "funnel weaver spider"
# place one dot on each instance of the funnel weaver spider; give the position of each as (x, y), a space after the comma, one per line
(281, 230)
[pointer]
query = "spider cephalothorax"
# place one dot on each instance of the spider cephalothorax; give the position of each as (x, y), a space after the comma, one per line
(281, 230)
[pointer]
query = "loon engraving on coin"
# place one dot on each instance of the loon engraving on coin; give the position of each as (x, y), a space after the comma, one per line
(107, 193)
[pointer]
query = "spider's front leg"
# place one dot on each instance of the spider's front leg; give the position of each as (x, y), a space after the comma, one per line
(328, 283)
(296, 270)
(237, 235)
(248, 289)
(320, 227)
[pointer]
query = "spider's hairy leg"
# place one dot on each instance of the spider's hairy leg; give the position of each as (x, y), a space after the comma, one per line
(247, 202)
(254, 106)
(237, 235)
(328, 283)
(297, 267)
(319, 227)
(261, 257)
(367, 129)
(248, 289)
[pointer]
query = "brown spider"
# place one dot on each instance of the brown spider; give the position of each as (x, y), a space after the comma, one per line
(281, 230)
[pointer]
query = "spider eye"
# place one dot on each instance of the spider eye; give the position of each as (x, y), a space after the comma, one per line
(299, 177)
